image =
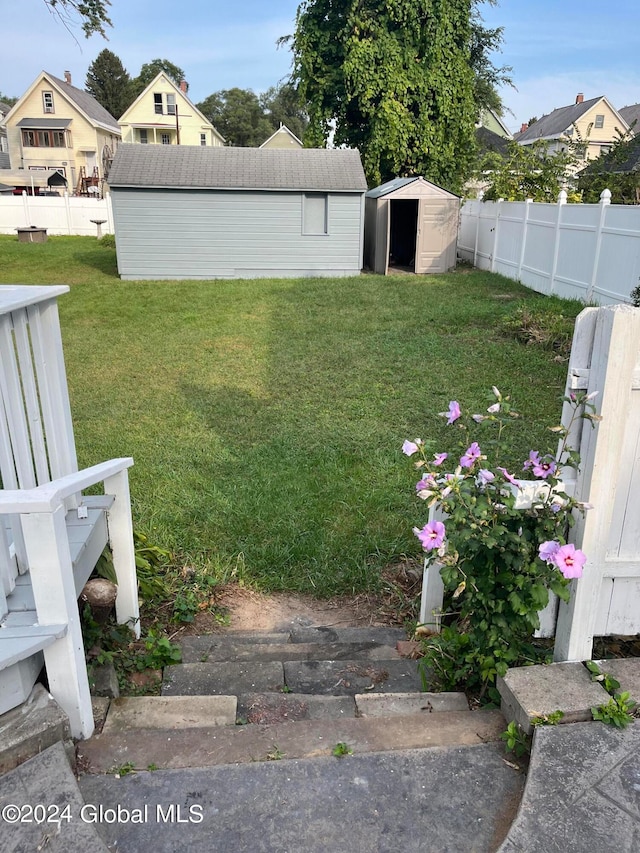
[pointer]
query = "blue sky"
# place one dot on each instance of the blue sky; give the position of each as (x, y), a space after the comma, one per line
(557, 48)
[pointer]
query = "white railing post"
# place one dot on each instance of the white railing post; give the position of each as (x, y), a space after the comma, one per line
(562, 200)
(67, 210)
(605, 201)
(122, 549)
(25, 208)
(496, 231)
(525, 222)
(54, 593)
(110, 225)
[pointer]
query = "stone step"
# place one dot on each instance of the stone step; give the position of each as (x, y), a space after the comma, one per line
(346, 678)
(249, 638)
(227, 678)
(385, 636)
(392, 704)
(171, 749)
(169, 712)
(261, 708)
(207, 649)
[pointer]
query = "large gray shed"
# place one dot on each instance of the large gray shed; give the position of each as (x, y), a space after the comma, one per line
(410, 223)
(191, 212)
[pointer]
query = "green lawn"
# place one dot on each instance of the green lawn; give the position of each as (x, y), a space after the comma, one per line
(266, 417)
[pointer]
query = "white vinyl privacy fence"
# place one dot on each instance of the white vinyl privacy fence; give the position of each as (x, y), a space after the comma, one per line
(578, 251)
(63, 214)
(605, 358)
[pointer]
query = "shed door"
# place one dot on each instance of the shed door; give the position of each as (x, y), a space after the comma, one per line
(437, 235)
(381, 264)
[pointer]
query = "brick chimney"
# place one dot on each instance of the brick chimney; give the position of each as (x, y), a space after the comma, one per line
(524, 126)
(67, 77)
(579, 98)
(184, 86)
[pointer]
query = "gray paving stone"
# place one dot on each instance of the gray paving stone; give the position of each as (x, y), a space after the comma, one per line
(46, 780)
(276, 707)
(386, 636)
(198, 649)
(249, 638)
(419, 801)
(390, 704)
(30, 728)
(170, 712)
(535, 691)
(346, 678)
(626, 671)
(229, 679)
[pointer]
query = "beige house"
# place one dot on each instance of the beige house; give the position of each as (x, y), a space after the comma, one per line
(163, 115)
(283, 138)
(56, 126)
(594, 123)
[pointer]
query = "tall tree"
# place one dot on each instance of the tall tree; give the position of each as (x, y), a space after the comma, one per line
(109, 83)
(394, 77)
(282, 105)
(92, 14)
(237, 114)
(150, 70)
(7, 100)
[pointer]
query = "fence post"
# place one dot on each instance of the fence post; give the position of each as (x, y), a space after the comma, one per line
(562, 200)
(25, 205)
(605, 201)
(496, 231)
(528, 203)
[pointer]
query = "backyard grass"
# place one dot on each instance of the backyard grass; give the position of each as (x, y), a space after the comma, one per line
(266, 417)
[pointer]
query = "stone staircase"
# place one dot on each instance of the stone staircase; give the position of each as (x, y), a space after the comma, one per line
(244, 697)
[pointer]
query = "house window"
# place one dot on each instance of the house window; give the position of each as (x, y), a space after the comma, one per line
(315, 213)
(44, 139)
(157, 103)
(203, 139)
(143, 136)
(166, 139)
(171, 105)
(604, 150)
(599, 122)
(47, 102)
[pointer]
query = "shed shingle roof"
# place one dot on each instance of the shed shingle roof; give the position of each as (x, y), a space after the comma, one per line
(201, 167)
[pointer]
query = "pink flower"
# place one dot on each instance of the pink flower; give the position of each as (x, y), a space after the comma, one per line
(494, 408)
(534, 459)
(485, 476)
(570, 561)
(544, 467)
(410, 447)
(439, 458)
(431, 536)
(508, 476)
(548, 550)
(454, 412)
(471, 455)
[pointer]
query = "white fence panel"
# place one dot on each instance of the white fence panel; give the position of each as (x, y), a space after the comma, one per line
(58, 214)
(577, 251)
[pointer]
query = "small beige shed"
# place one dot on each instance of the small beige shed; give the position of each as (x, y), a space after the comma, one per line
(410, 224)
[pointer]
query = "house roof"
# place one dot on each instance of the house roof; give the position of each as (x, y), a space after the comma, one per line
(283, 130)
(87, 104)
(557, 122)
(489, 141)
(632, 116)
(206, 167)
(44, 123)
(398, 183)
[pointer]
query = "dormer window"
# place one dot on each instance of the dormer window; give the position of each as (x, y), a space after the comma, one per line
(47, 102)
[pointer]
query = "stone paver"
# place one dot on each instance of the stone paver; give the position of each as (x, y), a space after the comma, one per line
(626, 671)
(389, 704)
(199, 650)
(384, 635)
(170, 712)
(277, 707)
(31, 728)
(229, 679)
(346, 678)
(534, 691)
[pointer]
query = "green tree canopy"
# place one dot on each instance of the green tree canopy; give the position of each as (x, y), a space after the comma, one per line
(282, 105)
(237, 114)
(92, 14)
(7, 100)
(150, 70)
(109, 83)
(395, 80)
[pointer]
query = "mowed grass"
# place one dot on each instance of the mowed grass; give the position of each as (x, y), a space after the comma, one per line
(266, 417)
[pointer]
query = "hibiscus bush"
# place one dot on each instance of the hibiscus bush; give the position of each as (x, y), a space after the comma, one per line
(498, 540)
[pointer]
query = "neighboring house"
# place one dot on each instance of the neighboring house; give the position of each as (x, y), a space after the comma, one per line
(492, 122)
(618, 171)
(5, 162)
(632, 117)
(163, 115)
(283, 138)
(191, 212)
(54, 125)
(594, 123)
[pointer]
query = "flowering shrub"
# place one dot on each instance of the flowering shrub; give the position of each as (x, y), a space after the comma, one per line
(501, 544)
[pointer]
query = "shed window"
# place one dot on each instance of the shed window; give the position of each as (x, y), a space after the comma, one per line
(315, 213)
(599, 121)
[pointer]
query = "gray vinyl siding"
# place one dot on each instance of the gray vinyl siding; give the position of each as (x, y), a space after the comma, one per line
(204, 234)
